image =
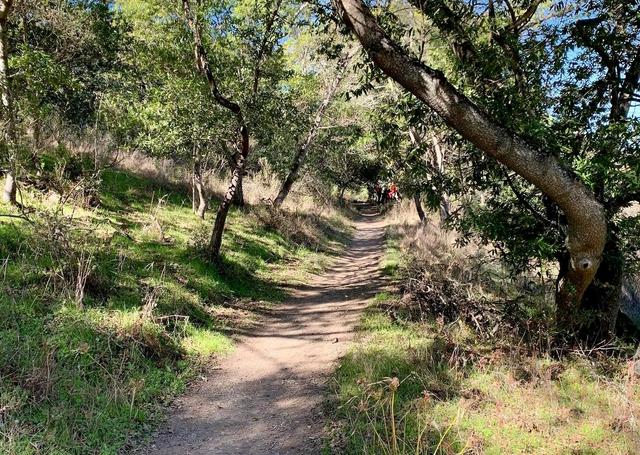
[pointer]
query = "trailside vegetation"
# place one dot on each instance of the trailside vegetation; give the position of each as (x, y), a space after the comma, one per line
(165, 162)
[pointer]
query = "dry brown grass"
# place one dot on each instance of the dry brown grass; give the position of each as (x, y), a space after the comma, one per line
(476, 373)
(442, 278)
(259, 188)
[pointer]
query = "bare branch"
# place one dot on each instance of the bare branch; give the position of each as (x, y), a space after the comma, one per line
(263, 45)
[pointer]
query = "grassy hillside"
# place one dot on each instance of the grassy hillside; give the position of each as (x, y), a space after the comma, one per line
(458, 360)
(107, 313)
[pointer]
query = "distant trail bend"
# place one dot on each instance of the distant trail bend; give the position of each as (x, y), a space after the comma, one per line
(266, 397)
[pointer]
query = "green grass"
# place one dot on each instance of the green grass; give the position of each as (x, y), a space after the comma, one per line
(392, 254)
(459, 393)
(87, 378)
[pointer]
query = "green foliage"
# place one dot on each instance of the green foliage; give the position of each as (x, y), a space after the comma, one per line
(552, 82)
(63, 57)
(114, 311)
(88, 375)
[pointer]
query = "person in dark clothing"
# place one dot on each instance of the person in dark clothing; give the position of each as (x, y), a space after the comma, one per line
(378, 193)
(385, 195)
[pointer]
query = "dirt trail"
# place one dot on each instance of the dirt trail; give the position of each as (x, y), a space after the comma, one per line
(266, 398)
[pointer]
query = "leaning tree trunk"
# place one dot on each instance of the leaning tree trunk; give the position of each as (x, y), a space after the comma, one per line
(10, 185)
(587, 224)
(203, 65)
(238, 197)
(341, 196)
(218, 227)
(419, 209)
(303, 149)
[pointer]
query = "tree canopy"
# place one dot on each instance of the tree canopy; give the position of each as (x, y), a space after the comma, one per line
(517, 120)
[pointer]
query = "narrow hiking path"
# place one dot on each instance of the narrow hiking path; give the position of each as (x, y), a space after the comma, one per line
(267, 396)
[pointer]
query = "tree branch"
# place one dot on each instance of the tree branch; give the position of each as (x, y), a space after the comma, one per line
(263, 45)
(203, 65)
(448, 22)
(630, 84)
(523, 200)
(526, 16)
(587, 224)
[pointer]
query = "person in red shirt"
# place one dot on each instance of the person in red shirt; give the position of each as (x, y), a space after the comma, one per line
(393, 191)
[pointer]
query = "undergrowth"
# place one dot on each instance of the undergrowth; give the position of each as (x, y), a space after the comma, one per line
(459, 361)
(107, 312)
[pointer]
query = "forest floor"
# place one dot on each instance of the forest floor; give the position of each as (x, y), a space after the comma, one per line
(267, 396)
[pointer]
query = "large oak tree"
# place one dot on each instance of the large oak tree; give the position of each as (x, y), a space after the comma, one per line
(585, 215)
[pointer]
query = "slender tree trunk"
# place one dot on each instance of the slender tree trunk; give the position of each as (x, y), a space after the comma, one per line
(586, 219)
(419, 209)
(202, 62)
(10, 184)
(436, 160)
(240, 160)
(303, 149)
(199, 192)
(194, 193)
(292, 176)
(218, 227)
(37, 134)
(445, 208)
(238, 197)
(341, 196)
(9, 190)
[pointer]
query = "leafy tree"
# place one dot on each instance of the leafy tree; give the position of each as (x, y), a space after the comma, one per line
(333, 81)
(265, 45)
(568, 87)
(58, 58)
(516, 143)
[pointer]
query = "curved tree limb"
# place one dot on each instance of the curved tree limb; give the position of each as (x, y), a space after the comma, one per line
(587, 227)
(203, 65)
